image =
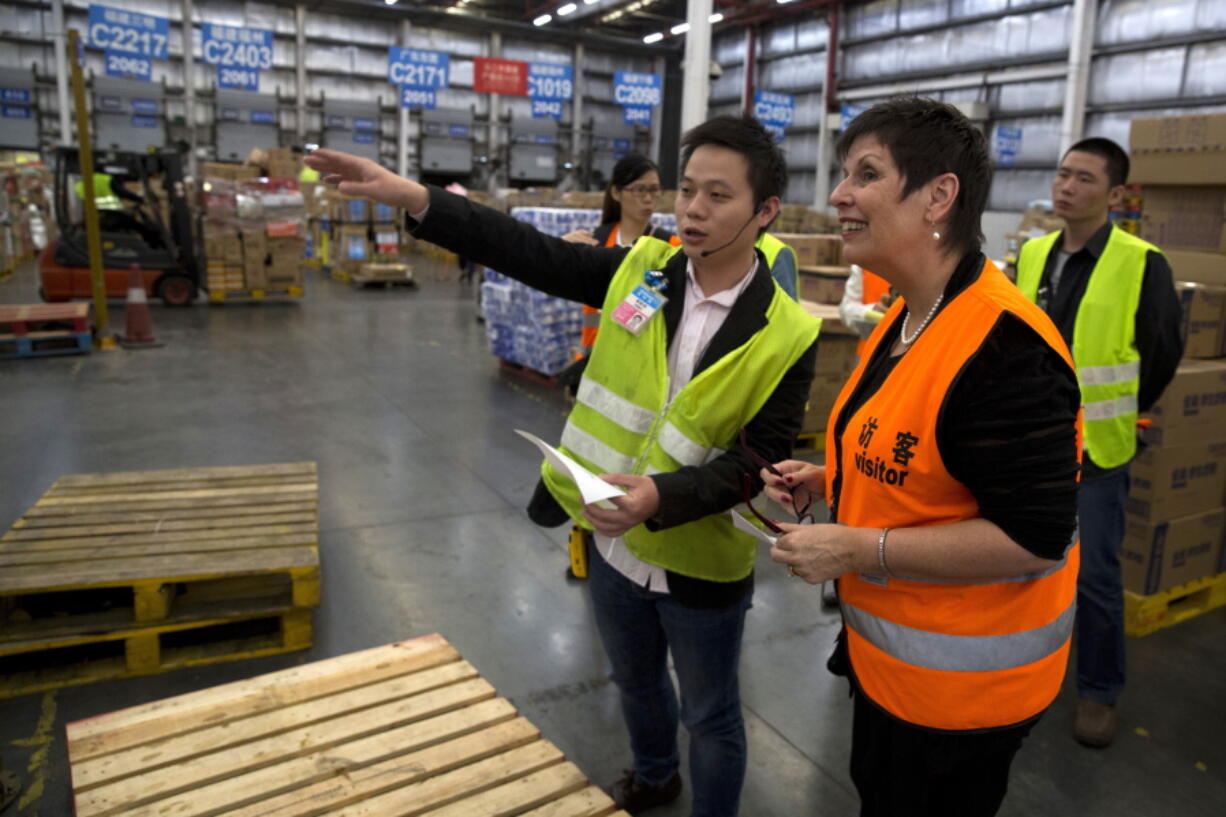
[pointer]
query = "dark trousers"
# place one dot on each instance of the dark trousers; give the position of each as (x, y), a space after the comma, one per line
(905, 771)
(1100, 588)
(639, 629)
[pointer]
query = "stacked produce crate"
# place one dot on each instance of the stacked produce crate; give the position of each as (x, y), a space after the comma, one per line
(1173, 550)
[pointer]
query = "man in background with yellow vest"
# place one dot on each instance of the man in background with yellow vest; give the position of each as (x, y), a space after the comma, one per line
(781, 259)
(1113, 299)
(696, 343)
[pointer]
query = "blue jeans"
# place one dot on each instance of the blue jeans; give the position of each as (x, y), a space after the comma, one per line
(1100, 590)
(638, 628)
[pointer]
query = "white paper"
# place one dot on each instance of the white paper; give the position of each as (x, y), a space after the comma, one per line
(744, 525)
(592, 488)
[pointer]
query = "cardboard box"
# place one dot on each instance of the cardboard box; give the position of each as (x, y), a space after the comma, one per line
(223, 247)
(387, 239)
(1204, 319)
(218, 170)
(1193, 407)
(822, 394)
(255, 273)
(1188, 218)
(836, 354)
(823, 284)
(1202, 267)
(1164, 555)
(832, 324)
(814, 250)
(352, 243)
(1172, 481)
(1179, 150)
(255, 246)
(348, 210)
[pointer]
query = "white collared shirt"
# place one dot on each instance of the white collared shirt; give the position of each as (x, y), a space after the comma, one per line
(701, 318)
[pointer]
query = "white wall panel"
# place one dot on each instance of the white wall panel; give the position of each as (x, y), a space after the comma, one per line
(1126, 21)
(1137, 76)
(1207, 70)
(872, 19)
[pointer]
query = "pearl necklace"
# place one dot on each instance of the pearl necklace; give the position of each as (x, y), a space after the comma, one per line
(907, 317)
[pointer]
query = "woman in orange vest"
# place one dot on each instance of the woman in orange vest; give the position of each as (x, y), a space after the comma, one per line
(629, 203)
(951, 467)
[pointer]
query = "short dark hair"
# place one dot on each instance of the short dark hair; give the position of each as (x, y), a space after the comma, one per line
(926, 139)
(628, 168)
(768, 170)
(1118, 164)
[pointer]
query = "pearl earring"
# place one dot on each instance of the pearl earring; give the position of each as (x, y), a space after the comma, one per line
(936, 236)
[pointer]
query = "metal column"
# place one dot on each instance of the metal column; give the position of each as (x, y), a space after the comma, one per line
(697, 64)
(749, 69)
(300, 64)
(495, 110)
(59, 36)
(402, 141)
(1081, 46)
(189, 84)
(658, 66)
(825, 138)
(576, 117)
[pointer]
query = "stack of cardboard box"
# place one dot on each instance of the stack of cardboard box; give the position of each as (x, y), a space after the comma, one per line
(1175, 524)
(822, 271)
(254, 229)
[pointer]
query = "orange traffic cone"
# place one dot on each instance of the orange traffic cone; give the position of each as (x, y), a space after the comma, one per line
(138, 327)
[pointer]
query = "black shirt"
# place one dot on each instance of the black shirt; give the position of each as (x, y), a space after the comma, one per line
(1006, 429)
(1158, 318)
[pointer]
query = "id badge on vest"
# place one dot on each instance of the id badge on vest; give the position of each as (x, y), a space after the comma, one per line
(642, 304)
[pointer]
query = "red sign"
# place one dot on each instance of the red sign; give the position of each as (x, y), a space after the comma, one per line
(493, 76)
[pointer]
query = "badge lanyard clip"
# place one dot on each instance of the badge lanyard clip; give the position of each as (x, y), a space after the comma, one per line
(643, 302)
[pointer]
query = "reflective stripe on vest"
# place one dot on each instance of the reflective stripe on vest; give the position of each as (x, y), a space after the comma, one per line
(940, 654)
(960, 653)
(623, 421)
(1104, 339)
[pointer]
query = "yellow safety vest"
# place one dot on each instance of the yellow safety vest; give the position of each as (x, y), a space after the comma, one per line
(623, 421)
(1104, 339)
(104, 198)
(771, 247)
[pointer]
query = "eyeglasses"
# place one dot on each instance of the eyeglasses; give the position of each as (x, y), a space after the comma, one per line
(643, 191)
(803, 517)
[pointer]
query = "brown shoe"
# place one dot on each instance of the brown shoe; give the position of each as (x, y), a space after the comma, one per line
(1095, 724)
(631, 795)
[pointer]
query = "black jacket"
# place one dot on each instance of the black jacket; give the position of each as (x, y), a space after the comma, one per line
(581, 272)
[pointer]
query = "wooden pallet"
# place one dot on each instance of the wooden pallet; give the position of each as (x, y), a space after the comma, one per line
(527, 373)
(221, 296)
(405, 729)
(38, 330)
(1148, 614)
(119, 574)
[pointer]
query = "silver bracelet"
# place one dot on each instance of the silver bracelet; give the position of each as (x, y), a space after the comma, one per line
(885, 570)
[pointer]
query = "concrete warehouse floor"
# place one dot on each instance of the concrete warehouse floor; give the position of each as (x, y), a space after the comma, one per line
(422, 489)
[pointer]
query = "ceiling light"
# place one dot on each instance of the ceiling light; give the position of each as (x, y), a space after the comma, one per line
(653, 38)
(544, 18)
(715, 18)
(783, 2)
(569, 8)
(680, 28)
(390, 2)
(589, 2)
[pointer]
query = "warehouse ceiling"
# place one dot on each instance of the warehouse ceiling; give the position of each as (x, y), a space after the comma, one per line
(625, 19)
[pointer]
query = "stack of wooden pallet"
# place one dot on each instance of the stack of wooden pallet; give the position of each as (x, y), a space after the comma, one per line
(111, 575)
(406, 729)
(37, 330)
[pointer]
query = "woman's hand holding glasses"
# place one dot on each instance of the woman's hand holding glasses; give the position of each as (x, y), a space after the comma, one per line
(795, 484)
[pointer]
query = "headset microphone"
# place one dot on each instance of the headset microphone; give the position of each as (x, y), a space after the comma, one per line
(756, 210)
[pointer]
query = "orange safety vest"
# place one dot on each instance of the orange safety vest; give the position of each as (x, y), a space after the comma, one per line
(874, 288)
(936, 654)
(591, 315)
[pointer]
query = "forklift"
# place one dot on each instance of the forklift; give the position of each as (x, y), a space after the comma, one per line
(152, 232)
